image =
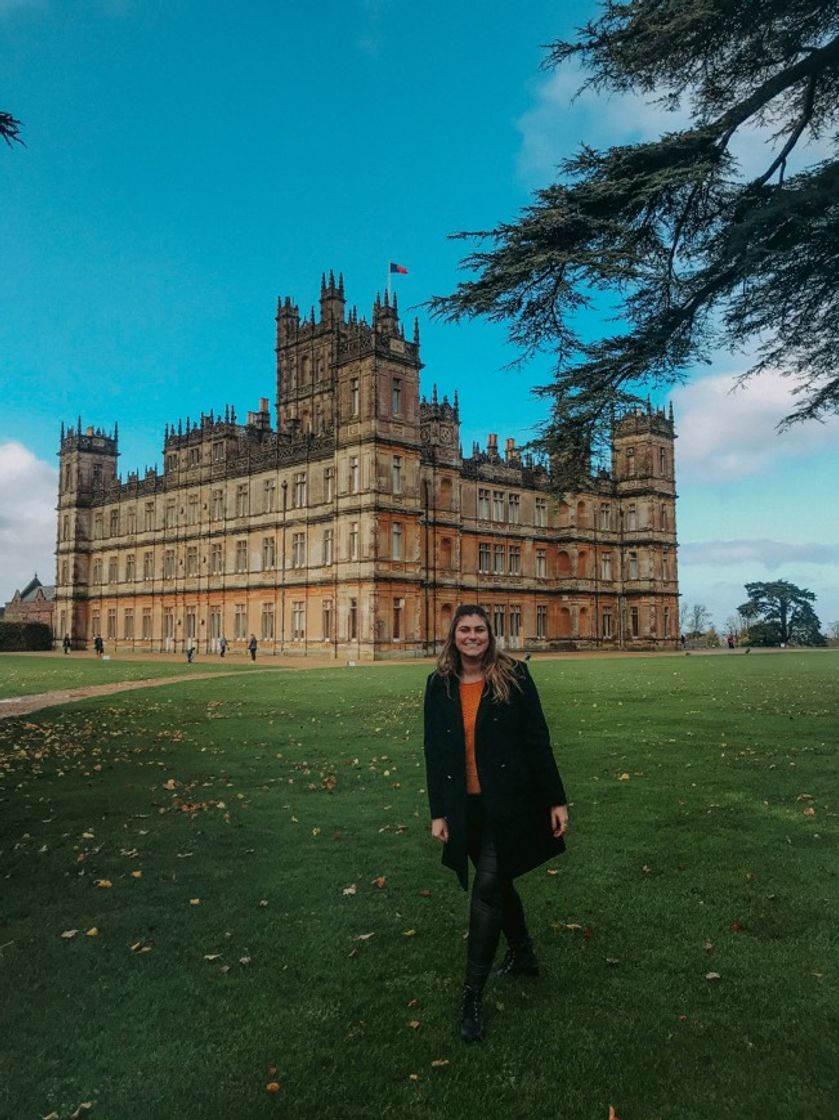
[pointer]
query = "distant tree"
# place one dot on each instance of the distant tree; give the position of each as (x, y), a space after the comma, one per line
(697, 621)
(693, 254)
(778, 613)
(832, 630)
(735, 624)
(10, 129)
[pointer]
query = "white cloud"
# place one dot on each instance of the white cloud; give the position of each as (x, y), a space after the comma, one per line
(27, 518)
(771, 554)
(16, 5)
(726, 433)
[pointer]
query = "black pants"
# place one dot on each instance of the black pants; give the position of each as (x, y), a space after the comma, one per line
(495, 904)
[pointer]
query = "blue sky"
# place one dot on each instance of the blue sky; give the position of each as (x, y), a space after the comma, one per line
(186, 163)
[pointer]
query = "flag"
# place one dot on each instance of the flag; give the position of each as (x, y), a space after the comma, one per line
(400, 269)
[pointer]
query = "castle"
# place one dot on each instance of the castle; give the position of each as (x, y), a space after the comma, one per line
(355, 525)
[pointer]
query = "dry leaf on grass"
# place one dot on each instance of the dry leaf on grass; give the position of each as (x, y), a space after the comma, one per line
(102, 884)
(712, 976)
(439, 1063)
(272, 1087)
(414, 1024)
(212, 956)
(350, 890)
(364, 936)
(68, 933)
(379, 881)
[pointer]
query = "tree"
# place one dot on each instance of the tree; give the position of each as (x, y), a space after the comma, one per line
(779, 613)
(693, 254)
(10, 129)
(697, 620)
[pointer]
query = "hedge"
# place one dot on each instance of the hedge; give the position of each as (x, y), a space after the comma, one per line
(21, 636)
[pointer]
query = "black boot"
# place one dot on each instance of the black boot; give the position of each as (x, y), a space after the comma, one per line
(471, 1019)
(520, 960)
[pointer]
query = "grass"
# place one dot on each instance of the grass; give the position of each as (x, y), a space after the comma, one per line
(27, 674)
(266, 797)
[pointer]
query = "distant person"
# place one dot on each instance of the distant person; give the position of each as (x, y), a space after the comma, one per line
(190, 651)
(99, 645)
(222, 646)
(683, 640)
(66, 644)
(252, 647)
(494, 793)
(731, 641)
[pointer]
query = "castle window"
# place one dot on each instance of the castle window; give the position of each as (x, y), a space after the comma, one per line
(130, 564)
(396, 474)
(355, 397)
(216, 559)
(352, 620)
(112, 623)
(606, 566)
(192, 561)
(298, 621)
(218, 451)
(97, 571)
(515, 560)
(500, 559)
(169, 564)
(630, 462)
(541, 563)
(269, 495)
(541, 622)
(215, 622)
(95, 624)
(241, 563)
(563, 563)
(514, 509)
(148, 516)
(484, 557)
(398, 609)
(396, 540)
(170, 515)
(633, 622)
(604, 515)
(498, 621)
(217, 505)
(131, 519)
(240, 620)
(148, 565)
(328, 484)
(242, 500)
(113, 574)
(396, 396)
(662, 461)
(353, 540)
(328, 545)
(326, 619)
(305, 369)
(65, 529)
(541, 512)
(354, 474)
(65, 574)
(606, 623)
(445, 552)
(299, 490)
(498, 505)
(194, 456)
(67, 475)
(666, 622)
(192, 508)
(114, 523)
(483, 504)
(268, 553)
(191, 622)
(145, 623)
(97, 472)
(581, 513)
(168, 626)
(319, 367)
(633, 566)
(267, 627)
(653, 624)
(664, 519)
(632, 518)
(665, 565)
(515, 621)
(98, 526)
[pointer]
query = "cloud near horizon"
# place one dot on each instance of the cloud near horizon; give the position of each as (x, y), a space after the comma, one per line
(771, 554)
(27, 519)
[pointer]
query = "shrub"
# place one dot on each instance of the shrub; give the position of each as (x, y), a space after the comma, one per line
(21, 636)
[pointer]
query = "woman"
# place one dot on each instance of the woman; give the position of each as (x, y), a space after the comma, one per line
(494, 792)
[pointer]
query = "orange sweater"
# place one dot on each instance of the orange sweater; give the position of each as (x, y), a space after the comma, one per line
(470, 699)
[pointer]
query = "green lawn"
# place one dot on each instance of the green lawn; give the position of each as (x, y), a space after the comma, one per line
(26, 674)
(233, 817)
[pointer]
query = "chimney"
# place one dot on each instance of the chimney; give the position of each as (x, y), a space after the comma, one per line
(509, 450)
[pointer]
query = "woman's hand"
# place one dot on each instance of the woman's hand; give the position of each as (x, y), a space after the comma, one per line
(559, 820)
(440, 829)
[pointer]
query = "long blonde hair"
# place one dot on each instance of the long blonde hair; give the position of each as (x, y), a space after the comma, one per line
(498, 667)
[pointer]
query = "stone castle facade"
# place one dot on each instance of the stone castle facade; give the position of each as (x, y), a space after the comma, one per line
(354, 526)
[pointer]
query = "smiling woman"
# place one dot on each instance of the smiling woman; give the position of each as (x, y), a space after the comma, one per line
(494, 792)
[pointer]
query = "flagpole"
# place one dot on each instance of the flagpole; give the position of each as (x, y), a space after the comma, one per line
(388, 281)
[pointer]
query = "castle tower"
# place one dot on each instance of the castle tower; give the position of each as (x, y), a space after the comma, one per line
(87, 466)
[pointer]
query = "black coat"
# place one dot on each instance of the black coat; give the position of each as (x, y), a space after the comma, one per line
(516, 769)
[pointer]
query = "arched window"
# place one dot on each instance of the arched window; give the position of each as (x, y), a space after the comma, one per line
(564, 622)
(563, 563)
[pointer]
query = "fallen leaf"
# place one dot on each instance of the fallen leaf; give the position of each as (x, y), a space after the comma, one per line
(68, 933)
(379, 882)
(552, 871)
(103, 884)
(212, 956)
(93, 932)
(439, 1063)
(272, 1087)
(413, 1024)
(171, 784)
(809, 811)
(588, 933)
(612, 1114)
(364, 936)
(263, 902)
(712, 976)
(51, 1116)
(271, 1071)
(708, 945)
(195, 902)
(735, 927)
(624, 777)
(425, 893)
(350, 890)
(136, 874)
(409, 933)
(83, 1108)
(244, 960)
(613, 960)
(411, 1077)
(413, 1003)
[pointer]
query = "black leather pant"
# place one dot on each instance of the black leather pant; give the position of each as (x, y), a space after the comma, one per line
(495, 904)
